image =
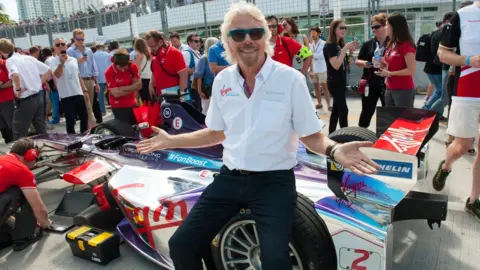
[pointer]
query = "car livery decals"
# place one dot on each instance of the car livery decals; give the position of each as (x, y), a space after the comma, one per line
(395, 168)
(176, 157)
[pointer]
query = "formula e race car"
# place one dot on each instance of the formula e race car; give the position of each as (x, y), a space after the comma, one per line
(342, 220)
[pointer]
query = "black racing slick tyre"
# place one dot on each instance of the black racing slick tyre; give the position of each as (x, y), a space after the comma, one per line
(350, 134)
(114, 127)
(311, 245)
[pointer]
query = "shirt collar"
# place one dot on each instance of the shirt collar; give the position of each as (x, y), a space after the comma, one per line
(264, 71)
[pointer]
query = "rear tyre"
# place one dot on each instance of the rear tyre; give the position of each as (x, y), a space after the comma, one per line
(350, 134)
(311, 245)
(114, 127)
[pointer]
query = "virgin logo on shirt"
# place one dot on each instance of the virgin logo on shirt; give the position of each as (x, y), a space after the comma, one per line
(224, 91)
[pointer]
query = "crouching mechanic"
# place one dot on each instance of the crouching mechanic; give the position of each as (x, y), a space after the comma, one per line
(20, 203)
(259, 109)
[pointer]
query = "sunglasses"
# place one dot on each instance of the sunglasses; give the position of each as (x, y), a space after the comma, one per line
(60, 44)
(239, 35)
(272, 26)
(376, 27)
(80, 39)
(196, 40)
(342, 28)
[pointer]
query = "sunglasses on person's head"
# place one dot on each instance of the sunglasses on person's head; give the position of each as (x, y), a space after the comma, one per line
(60, 44)
(376, 27)
(239, 35)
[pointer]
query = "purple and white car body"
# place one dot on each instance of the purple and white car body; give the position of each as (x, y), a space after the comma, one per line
(156, 191)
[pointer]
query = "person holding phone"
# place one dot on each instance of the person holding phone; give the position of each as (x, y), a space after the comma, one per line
(335, 52)
(374, 85)
(398, 64)
(71, 88)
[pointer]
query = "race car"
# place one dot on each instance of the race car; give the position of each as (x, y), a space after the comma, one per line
(342, 221)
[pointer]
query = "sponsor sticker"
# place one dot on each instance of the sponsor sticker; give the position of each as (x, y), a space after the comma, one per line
(205, 174)
(177, 123)
(193, 161)
(167, 113)
(395, 168)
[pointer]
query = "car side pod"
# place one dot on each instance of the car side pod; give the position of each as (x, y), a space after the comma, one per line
(421, 205)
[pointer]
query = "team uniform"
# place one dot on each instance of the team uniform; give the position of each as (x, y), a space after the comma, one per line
(122, 107)
(15, 177)
(463, 33)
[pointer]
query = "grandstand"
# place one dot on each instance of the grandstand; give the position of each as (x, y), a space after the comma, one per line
(204, 17)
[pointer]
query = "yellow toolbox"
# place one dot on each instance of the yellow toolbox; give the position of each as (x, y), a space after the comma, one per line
(94, 244)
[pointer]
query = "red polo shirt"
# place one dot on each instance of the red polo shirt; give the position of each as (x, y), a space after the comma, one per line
(280, 51)
(6, 94)
(172, 61)
(396, 61)
(118, 78)
(15, 173)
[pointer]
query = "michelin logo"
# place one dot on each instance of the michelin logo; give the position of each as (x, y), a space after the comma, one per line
(193, 161)
(395, 168)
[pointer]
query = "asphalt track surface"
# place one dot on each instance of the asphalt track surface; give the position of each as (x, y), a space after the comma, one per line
(454, 246)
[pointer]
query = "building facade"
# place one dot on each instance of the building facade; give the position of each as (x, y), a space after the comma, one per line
(32, 9)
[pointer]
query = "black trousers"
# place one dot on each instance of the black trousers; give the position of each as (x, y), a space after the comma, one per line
(125, 115)
(72, 107)
(13, 203)
(369, 104)
(271, 197)
(96, 108)
(196, 100)
(339, 109)
(144, 93)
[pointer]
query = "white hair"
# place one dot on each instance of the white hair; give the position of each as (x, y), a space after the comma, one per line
(59, 38)
(209, 42)
(243, 8)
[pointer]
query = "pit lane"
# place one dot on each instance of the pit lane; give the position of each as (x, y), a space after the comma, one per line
(453, 246)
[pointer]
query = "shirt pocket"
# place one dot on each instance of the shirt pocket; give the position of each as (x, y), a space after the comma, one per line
(271, 116)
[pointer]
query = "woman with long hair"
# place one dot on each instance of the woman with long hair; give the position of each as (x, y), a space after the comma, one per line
(365, 59)
(204, 76)
(142, 60)
(398, 64)
(335, 52)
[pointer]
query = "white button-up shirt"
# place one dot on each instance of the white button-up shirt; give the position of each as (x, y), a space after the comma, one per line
(30, 71)
(69, 83)
(262, 131)
(319, 65)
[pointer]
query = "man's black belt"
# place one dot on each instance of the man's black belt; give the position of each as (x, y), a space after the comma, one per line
(30, 97)
(240, 172)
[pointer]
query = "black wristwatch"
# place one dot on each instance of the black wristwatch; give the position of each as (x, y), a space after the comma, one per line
(329, 153)
(18, 90)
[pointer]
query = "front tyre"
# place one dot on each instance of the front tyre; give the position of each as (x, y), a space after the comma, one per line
(311, 245)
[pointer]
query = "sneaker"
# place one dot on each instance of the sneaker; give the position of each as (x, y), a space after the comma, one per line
(440, 177)
(24, 243)
(473, 208)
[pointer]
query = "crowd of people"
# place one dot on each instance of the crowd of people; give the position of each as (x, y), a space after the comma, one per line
(251, 83)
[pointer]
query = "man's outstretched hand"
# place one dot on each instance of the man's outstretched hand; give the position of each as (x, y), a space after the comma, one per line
(350, 156)
(159, 142)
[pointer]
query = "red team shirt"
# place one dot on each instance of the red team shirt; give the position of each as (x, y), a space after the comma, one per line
(6, 94)
(463, 33)
(396, 61)
(15, 173)
(172, 60)
(118, 78)
(280, 51)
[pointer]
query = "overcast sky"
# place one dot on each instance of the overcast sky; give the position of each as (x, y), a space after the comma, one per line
(11, 7)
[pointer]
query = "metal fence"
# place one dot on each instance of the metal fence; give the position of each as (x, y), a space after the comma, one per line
(205, 17)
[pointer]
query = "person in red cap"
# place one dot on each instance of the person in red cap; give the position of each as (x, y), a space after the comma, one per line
(123, 81)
